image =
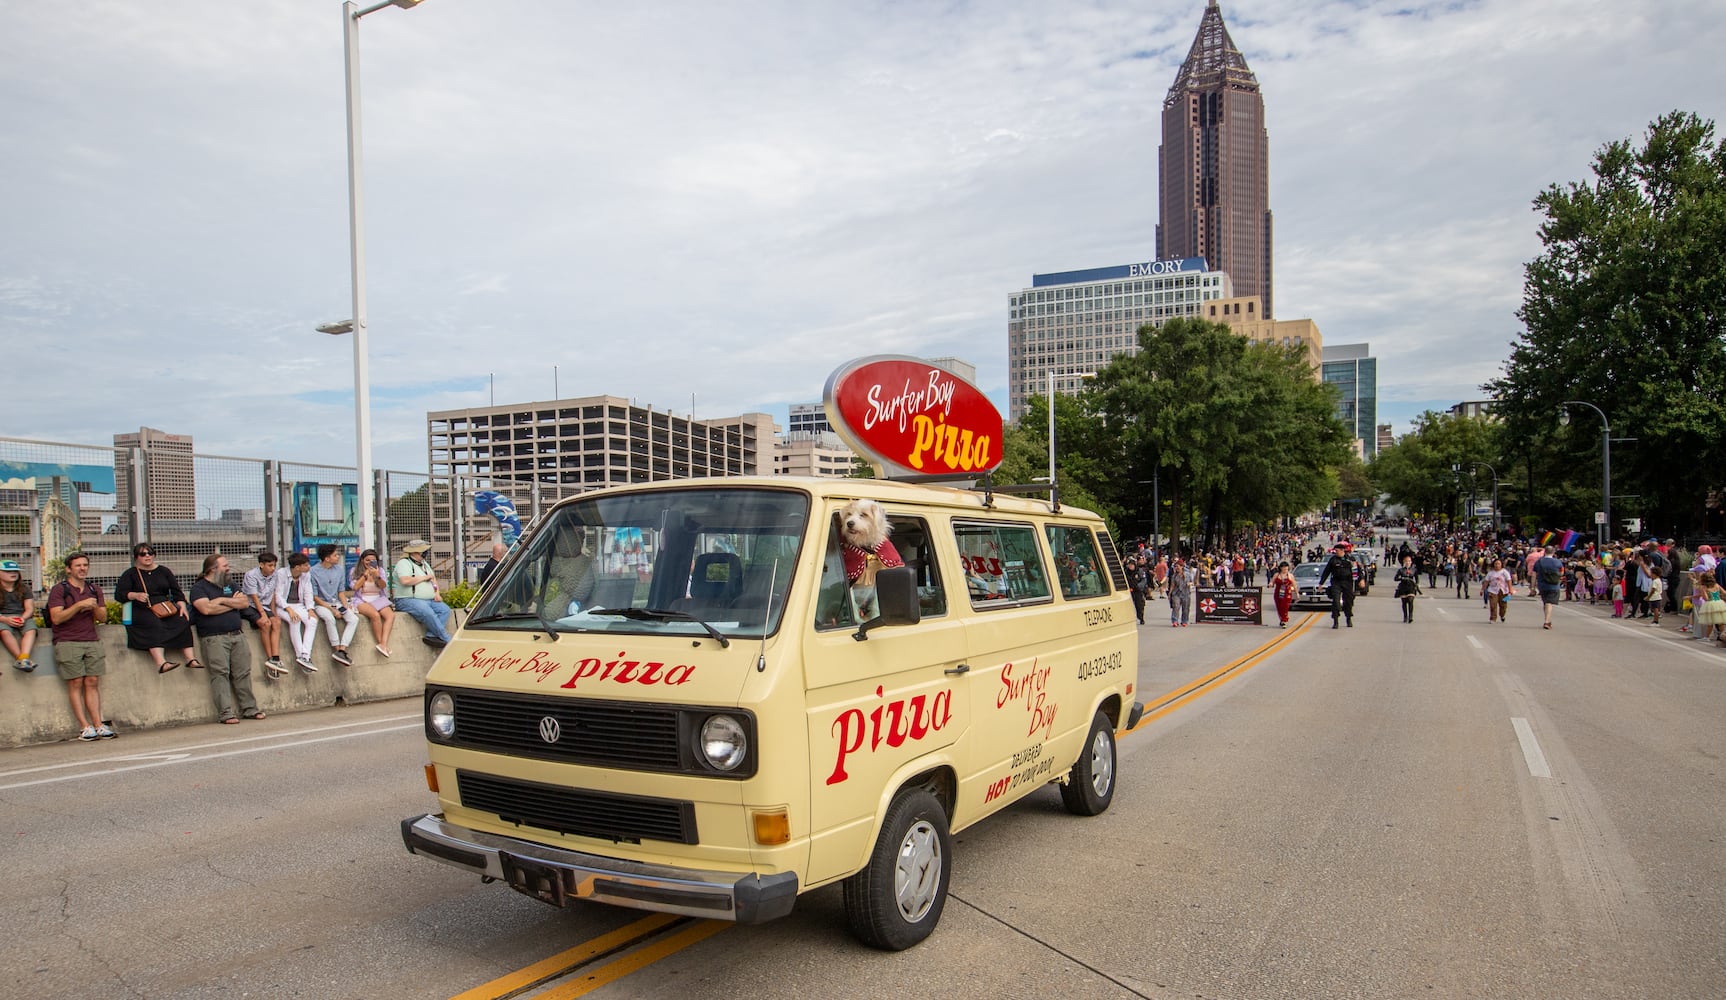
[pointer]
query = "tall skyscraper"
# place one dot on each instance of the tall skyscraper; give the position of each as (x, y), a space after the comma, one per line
(169, 484)
(1213, 168)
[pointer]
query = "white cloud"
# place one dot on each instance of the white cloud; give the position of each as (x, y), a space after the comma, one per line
(729, 200)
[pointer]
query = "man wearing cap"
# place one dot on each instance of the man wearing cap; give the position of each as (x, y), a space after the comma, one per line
(414, 587)
(1338, 577)
(74, 607)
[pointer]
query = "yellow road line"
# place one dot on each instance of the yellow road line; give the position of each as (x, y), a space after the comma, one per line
(565, 961)
(1194, 690)
(635, 960)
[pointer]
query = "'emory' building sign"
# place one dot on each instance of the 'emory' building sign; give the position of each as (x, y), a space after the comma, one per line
(1148, 269)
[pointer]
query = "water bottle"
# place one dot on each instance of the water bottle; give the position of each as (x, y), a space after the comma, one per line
(126, 613)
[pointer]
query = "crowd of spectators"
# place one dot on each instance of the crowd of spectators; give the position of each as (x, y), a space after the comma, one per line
(160, 615)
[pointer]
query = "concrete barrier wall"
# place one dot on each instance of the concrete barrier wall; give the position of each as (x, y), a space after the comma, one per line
(34, 709)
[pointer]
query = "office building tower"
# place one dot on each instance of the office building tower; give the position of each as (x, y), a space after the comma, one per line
(169, 484)
(538, 453)
(1071, 323)
(1213, 172)
(1354, 372)
(807, 419)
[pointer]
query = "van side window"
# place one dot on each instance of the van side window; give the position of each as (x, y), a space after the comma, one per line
(836, 601)
(1078, 566)
(1003, 564)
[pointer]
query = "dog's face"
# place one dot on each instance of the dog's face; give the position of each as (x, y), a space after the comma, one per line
(864, 523)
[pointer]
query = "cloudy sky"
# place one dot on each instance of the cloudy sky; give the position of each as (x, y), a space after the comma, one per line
(726, 201)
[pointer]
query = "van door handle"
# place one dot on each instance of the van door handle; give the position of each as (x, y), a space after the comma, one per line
(963, 668)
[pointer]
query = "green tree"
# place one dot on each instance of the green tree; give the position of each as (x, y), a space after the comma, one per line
(1626, 308)
(1080, 456)
(1429, 470)
(1236, 431)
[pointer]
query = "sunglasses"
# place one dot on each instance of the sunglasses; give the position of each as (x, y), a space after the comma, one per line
(144, 552)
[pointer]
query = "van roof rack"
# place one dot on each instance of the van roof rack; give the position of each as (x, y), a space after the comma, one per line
(988, 487)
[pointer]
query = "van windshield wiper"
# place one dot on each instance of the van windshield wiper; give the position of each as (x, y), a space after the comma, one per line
(537, 615)
(663, 615)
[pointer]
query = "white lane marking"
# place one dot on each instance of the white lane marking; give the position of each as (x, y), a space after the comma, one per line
(1472, 641)
(1441, 611)
(1531, 749)
(210, 756)
(86, 762)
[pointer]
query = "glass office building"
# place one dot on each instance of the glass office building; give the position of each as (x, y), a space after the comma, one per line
(1354, 372)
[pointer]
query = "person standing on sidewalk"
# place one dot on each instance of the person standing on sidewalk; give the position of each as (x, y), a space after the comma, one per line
(216, 610)
(74, 607)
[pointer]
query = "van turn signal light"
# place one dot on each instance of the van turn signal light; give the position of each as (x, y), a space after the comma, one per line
(431, 778)
(772, 826)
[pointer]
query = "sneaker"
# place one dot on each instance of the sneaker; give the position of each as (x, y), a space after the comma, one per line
(433, 641)
(25, 665)
(104, 733)
(88, 735)
(274, 663)
(307, 666)
(341, 656)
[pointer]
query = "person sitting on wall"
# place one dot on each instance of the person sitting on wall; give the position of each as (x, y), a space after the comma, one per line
(330, 602)
(17, 616)
(416, 594)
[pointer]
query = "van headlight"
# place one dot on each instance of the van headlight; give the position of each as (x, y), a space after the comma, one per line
(440, 715)
(723, 742)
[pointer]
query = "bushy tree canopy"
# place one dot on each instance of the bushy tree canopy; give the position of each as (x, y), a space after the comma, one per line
(1626, 308)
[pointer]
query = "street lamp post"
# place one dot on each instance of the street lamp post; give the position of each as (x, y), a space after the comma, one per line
(1053, 495)
(1494, 472)
(1605, 461)
(351, 15)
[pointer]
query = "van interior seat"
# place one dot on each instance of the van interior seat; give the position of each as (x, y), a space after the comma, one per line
(713, 586)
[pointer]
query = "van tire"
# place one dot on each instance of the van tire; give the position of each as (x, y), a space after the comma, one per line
(885, 912)
(1090, 785)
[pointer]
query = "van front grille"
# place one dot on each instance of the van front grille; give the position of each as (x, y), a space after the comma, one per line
(585, 813)
(602, 733)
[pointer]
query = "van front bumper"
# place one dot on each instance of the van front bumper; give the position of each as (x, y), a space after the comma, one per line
(556, 876)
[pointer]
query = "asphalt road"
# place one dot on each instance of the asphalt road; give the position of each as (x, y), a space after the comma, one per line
(1358, 813)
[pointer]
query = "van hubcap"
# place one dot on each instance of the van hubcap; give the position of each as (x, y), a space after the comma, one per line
(1102, 763)
(918, 872)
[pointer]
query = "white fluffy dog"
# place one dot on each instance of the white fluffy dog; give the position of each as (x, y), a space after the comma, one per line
(866, 550)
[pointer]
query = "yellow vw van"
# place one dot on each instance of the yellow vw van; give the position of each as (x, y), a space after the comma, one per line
(666, 697)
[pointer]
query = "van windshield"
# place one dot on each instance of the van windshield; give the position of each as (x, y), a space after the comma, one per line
(709, 561)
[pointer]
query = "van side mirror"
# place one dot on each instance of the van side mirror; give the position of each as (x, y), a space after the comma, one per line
(895, 600)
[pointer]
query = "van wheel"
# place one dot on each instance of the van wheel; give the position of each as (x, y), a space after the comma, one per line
(1091, 785)
(896, 900)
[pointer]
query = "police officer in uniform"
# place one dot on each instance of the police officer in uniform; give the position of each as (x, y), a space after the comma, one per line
(1338, 578)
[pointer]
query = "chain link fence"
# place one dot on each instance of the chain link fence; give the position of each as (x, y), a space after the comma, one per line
(57, 498)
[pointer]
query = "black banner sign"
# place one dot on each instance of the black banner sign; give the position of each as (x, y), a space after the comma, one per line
(1231, 605)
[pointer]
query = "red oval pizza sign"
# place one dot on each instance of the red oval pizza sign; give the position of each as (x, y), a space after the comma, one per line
(911, 418)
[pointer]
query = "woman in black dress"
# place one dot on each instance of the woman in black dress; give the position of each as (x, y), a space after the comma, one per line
(143, 585)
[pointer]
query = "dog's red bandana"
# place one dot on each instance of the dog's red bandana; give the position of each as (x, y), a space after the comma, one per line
(861, 564)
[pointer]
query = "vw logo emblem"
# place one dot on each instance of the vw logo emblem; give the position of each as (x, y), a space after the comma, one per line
(549, 730)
